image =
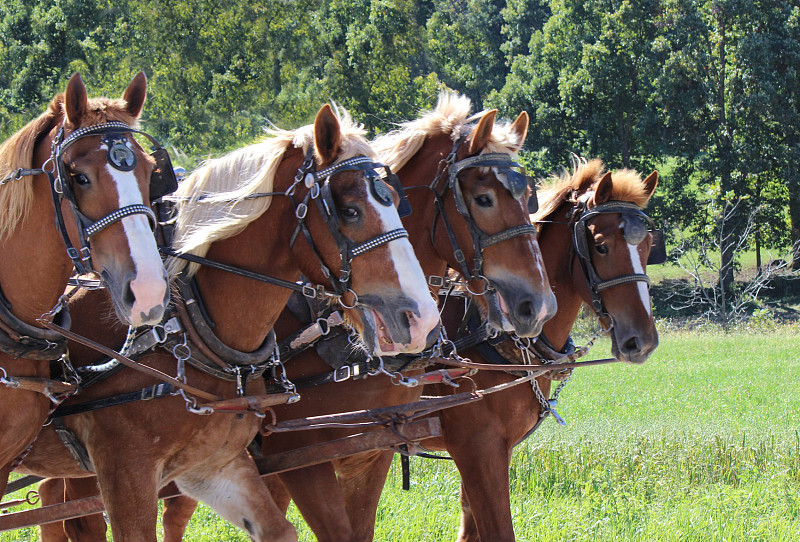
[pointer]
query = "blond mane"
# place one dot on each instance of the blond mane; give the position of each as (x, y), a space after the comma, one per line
(451, 116)
(568, 187)
(16, 152)
(225, 183)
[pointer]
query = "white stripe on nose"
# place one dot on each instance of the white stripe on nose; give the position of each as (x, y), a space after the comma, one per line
(149, 287)
(644, 294)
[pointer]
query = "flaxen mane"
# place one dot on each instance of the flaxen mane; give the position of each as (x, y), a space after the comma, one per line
(17, 152)
(628, 186)
(451, 116)
(225, 183)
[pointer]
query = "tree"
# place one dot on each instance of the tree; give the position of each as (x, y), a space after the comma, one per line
(588, 84)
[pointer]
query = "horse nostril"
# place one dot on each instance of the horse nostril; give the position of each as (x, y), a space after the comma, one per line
(406, 318)
(525, 309)
(631, 345)
(128, 297)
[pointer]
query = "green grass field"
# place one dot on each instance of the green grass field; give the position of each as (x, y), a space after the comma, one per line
(700, 443)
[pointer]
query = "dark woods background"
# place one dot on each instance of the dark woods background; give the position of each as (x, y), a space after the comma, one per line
(705, 91)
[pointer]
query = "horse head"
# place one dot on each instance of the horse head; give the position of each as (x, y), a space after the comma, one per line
(611, 240)
(363, 248)
(98, 178)
(470, 206)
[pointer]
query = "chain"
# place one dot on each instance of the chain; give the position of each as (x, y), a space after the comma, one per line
(279, 374)
(182, 352)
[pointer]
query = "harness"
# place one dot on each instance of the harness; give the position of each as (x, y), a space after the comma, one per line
(636, 225)
(515, 182)
(187, 331)
(120, 157)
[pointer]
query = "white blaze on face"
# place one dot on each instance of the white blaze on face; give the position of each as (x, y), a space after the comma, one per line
(644, 293)
(409, 275)
(149, 287)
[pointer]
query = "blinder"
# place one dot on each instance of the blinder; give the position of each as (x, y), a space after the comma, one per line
(119, 156)
(163, 180)
(320, 191)
(658, 252)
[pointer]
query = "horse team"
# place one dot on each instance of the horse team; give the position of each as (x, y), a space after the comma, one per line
(316, 208)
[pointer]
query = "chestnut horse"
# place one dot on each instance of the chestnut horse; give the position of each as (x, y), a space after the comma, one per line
(590, 214)
(424, 153)
(332, 213)
(60, 169)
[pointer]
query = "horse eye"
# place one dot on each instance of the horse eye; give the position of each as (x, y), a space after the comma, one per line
(81, 179)
(484, 200)
(601, 249)
(350, 213)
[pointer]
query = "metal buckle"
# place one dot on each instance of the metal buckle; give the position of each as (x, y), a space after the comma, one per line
(309, 291)
(150, 393)
(436, 281)
(342, 373)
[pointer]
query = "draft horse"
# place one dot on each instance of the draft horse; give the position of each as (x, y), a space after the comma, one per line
(596, 243)
(456, 177)
(76, 166)
(305, 202)
(470, 210)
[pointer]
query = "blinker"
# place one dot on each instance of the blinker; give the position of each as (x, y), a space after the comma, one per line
(515, 182)
(633, 229)
(658, 252)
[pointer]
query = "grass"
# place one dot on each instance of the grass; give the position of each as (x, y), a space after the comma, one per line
(700, 443)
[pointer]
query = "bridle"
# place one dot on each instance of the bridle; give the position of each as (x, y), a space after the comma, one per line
(319, 190)
(319, 185)
(636, 225)
(120, 157)
(514, 182)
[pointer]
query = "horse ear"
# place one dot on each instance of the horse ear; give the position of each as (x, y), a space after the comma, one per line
(327, 134)
(604, 189)
(482, 132)
(650, 184)
(135, 94)
(76, 101)
(520, 128)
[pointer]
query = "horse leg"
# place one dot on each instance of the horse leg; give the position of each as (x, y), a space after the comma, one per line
(177, 513)
(237, 493)
(484, 479)
(51, 491)
(319, 498)
(87, 528)
(467, 530)
(130, 494)
(362, 480)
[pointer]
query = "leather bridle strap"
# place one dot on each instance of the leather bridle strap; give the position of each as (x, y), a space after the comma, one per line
(580, 246)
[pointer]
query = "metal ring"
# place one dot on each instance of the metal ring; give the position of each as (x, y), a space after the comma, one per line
(355, 300)
(488, 286)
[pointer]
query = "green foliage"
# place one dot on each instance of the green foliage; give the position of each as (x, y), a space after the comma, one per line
(709, 87)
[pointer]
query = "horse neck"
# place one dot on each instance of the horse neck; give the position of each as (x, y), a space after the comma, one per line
(555, 240)
(35, 266)
(420, 171)
(244, 310)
